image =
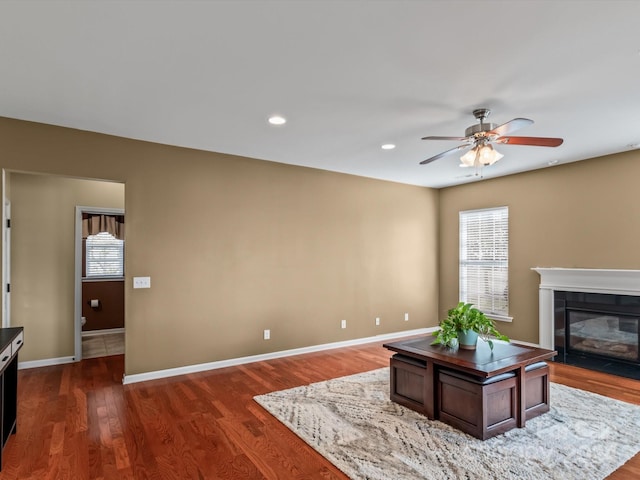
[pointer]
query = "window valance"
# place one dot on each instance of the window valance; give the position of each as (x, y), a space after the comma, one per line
(92, 224)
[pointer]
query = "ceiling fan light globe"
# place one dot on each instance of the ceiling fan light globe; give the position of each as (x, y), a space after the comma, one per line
(495, 157)
(469, 158)
(488, 155)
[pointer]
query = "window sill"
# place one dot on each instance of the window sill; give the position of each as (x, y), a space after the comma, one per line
(103, 279)
(499, 318)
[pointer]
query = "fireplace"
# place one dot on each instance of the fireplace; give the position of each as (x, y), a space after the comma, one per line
(598, 331)
(591, 318)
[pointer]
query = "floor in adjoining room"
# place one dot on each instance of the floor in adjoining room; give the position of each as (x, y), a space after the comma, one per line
(103, 345)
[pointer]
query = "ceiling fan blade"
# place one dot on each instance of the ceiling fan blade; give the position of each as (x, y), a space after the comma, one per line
(510, 126)
(444, 154)
(535, 141)
(459, 139)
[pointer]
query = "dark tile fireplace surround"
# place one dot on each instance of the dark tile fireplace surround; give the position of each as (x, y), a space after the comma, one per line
(598, 331)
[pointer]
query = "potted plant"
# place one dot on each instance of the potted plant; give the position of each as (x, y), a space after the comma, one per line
(463, 325)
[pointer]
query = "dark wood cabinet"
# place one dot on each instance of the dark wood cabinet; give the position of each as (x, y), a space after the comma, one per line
(11, 341)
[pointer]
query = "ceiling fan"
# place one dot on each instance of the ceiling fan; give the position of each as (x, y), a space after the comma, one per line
(481, 137)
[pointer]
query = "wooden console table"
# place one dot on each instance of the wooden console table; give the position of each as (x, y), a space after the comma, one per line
(481, 392)
(11, 341)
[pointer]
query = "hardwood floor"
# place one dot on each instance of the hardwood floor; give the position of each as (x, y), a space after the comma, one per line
(77, 421)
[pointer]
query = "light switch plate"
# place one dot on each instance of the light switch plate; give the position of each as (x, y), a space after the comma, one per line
(141, 282)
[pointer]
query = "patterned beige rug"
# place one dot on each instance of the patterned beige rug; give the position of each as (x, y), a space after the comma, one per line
(352, 423)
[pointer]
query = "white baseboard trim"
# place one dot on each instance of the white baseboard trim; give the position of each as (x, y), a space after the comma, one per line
(47, 362)
(171, 372)
(108, 331)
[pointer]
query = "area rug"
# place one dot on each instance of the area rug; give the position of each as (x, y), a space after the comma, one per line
(352, 423)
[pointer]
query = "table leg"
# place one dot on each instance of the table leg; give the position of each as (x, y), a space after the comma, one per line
(522, 395)
(430, 392)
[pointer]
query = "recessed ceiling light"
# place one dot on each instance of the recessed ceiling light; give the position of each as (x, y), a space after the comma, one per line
(388, 146)
(552, 162)
(277, 120)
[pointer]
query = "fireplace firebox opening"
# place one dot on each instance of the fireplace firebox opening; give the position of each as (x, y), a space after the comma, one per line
(598, 331)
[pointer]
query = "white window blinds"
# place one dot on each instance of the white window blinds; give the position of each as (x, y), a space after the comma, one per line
(104, 256)
(484, 259)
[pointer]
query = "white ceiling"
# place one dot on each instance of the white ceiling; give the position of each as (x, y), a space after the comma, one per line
(348, 75)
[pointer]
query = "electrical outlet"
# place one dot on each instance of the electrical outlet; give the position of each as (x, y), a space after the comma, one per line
(406, 317)
(343, 324)
(267, 334)
(377, 320)
(141, 282)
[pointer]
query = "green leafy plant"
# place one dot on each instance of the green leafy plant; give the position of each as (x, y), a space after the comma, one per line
(466, 317)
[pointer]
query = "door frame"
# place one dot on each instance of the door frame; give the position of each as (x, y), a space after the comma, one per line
(6, 254)
(78, 271)
(6, 263)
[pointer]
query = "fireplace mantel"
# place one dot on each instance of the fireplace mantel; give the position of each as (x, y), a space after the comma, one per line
(621, 282)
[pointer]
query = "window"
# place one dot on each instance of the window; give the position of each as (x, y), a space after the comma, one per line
(484, 260)
(104, 256)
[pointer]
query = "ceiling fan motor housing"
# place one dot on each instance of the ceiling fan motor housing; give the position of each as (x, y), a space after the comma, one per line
(481, 114)
(479, 128)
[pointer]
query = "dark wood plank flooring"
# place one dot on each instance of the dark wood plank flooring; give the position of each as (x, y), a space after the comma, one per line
(78, 421)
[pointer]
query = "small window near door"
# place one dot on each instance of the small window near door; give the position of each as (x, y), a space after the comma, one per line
(104, 256)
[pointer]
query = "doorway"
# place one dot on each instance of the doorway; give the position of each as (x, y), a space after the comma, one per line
(43, 263)
(99, 282)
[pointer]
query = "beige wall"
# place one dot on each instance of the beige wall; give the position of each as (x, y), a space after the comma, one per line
(583, 215)
(235, 245)
(43, 256)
